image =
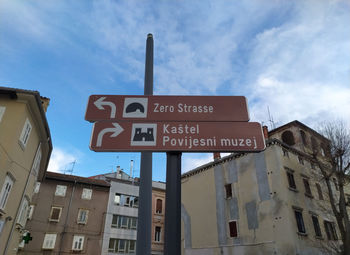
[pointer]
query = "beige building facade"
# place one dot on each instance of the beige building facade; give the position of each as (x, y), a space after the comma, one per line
(67, 216)
(25, 149)
(271, 202)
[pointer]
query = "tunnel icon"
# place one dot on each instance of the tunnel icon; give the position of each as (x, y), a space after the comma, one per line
(135, 107)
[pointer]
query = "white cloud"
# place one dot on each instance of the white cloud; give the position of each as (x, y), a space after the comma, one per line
(61, 160)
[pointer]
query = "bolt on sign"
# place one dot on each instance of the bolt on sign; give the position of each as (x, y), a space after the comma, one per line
(177, 136)
(166, 108)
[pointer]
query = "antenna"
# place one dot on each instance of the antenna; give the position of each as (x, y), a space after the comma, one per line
(272, 123)
(70, 170)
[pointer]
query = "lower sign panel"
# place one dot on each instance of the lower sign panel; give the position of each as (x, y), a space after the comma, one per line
(178, 136)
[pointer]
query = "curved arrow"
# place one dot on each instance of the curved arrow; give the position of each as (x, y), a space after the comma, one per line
(99, 103)
(117, 129)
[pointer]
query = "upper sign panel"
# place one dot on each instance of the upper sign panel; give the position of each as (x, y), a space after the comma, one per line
(166, 108)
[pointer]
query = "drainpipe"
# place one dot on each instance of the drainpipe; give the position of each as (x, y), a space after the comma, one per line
(67, 215)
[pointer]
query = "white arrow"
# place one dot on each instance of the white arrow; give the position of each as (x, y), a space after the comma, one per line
(117, 129)
(99, 104)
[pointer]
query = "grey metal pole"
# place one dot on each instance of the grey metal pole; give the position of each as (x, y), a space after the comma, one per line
(172, 236)
(144, 224)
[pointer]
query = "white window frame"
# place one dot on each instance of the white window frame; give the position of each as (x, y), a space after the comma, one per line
(86, 194)
(5, 191)
(2, 112)
(124, 248)
(132, 250)
(37, 187)
(81, 212)
(117, 198)
(157, 237)
(61, 190)
(49, 241)
(59, 215)
(78, 243)
(37, 161)
(30, 212)
(133, 223)
(23, 215)
(27, 128)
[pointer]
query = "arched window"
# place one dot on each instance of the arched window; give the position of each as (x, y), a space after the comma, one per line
(288, 138)
(159, 205)
(303, 137)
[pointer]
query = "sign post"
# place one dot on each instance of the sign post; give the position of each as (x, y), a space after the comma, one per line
(171, 124)
(144, 223)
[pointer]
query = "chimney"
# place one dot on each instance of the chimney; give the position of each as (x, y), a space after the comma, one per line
(266, 132)
(217, 156)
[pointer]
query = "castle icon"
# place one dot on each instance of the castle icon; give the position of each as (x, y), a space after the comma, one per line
(143, 136)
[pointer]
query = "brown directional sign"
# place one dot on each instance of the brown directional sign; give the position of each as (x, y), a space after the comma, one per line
(177, 136)
(166, 108)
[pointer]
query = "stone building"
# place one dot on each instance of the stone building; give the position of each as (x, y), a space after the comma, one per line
(271, 202)
(67, 215)
(25, 149)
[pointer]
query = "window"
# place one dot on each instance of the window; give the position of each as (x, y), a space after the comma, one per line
(126, 200)
(285, 153)
(61, 190)
(122, 246)
(233, 228)
(319, 191)
(330, 230)
(5, 191)
(37, 187)
(2, 112)
(301, 160)
(133, 223)
(124, 222)
(300, 221)
(31, 211)
(228, 189)
(78, 242)
(157, 234)
(49, 241)
(316, 226)
(117, 199)
(82, 216)
(86, 194)
(55, 214)
(132, 246)
(23, 139)
(120, 221)
(159, 204)
(291, 181)
(36, 162)
(23, 215)
(307, 187)
(288, 138)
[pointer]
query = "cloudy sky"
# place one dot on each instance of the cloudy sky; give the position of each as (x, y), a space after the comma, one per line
(291, 58)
